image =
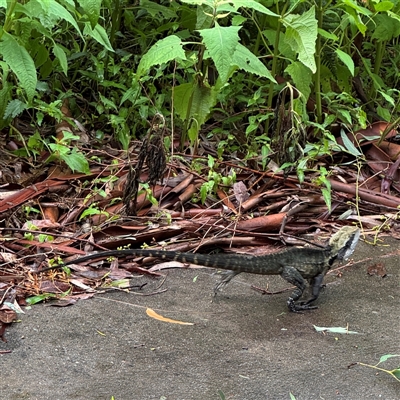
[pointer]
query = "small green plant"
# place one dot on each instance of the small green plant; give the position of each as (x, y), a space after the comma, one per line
(395, 373)
(62, 150)
(93, 210)
(215, 179)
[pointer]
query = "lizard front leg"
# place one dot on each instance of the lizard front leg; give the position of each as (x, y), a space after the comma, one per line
(316, 285)
(294, 277)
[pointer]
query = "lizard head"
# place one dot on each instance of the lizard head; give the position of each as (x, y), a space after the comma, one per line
(344, 241)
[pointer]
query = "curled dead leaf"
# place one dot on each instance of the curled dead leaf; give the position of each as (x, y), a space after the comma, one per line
(151, 313)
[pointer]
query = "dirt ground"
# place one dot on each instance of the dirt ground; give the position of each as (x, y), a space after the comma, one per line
(242, 346)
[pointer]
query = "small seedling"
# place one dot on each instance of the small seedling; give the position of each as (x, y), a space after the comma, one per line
(394, 372)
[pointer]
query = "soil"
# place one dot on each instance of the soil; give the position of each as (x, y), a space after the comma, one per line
(243, 345)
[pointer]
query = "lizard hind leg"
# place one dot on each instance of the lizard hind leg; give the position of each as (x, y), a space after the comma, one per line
(225, 279)
(294, 277)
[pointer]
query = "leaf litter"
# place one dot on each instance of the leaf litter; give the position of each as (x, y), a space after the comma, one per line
(52, 215)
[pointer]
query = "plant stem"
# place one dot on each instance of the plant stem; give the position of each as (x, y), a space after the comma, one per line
(275, 63)
(317, 75)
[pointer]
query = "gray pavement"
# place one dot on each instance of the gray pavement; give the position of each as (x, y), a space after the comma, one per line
(243, 345)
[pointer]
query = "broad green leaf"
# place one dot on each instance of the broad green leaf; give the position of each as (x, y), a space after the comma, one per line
(387, 28)
(238, 20)
(396, 373)
(346, 60)
(61, 57)
(348, 144)
(221, 42)
(351, 4)
(302, 77)
(167, 49)
(5, 99)
(108, 103)
(182, 95)
(153, 9)
(20, 62)
(201, 99)
(58, 10)
(14, 108)
(76, 161)
(394, 15)
(132, 94)
(42, 55)
(254, 5)
(384, 113)
(345, 114)
(284, 49)
(356, 20)
(301, 35)
(3, 4)
(244, 59)
(383, 6)
(388, 98)
(99, 34)
(92, 10)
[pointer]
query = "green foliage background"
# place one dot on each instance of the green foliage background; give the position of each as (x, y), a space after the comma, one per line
(257, 75)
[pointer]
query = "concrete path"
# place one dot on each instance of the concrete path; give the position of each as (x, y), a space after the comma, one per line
(242, 346)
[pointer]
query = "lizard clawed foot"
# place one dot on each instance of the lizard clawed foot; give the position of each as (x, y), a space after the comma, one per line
(299, 307)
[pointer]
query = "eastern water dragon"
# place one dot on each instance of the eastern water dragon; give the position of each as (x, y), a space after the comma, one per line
(295, 265)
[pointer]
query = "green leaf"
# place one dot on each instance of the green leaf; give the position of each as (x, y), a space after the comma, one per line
(61, 57)
(302, 77)
(56, 9)
(301, 35)
(384, 113)
(165, 50)
(345, 114)
(383, 6)
(387, 28)
(76, 161)
(221, 42)
(254, 5)
(396, 373)
(348, 144)
(41, 297)
(388, 98)
(244, 59)
(182, 95)
(20, 62)
(153, 9)
(326, 193)
(327, 35)
(99, 34)
(92, 10)
(14, 108)
(108, 103)
(346, 60)
(92, 211)
(387, 356)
